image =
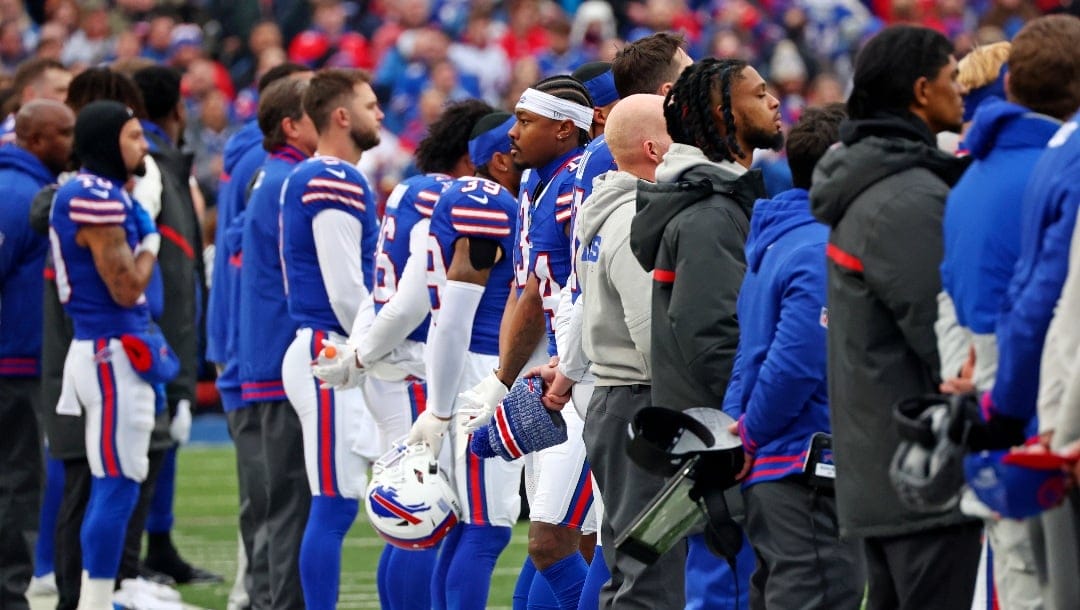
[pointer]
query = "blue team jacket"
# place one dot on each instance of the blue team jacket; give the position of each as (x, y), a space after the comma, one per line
(982, 214)
(22, 262)
(1047, 220)
(243, 157)
(778, 383)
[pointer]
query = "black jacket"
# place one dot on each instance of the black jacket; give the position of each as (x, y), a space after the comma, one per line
(181, 264)
(883, 193)
(690, 231)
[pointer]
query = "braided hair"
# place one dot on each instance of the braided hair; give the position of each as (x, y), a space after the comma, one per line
(448, 137)
(688, 108)
(572, 90)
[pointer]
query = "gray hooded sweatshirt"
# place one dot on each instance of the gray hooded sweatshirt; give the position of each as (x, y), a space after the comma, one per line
(618, 309)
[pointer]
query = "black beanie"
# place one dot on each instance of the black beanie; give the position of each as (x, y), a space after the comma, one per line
(97, 138)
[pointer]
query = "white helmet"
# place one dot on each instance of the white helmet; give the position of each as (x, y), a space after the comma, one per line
(409, 501)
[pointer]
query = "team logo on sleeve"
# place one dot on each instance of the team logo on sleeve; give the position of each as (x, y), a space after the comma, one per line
(823, 319)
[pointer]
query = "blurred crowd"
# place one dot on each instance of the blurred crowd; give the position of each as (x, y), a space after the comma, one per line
(426, 53)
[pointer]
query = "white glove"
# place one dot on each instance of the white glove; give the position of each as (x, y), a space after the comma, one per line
(180, 427)
(480, 401)
(428, 428)
(336, 366)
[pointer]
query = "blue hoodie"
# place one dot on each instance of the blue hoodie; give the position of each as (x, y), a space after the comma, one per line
(243, 157)
(982, 213)
(22, 262)
(1049, 216)
(778, 385)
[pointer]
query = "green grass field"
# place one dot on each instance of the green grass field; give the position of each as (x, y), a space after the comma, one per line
(206, 534)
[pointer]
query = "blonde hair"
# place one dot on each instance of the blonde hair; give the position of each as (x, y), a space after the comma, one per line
(982, 65)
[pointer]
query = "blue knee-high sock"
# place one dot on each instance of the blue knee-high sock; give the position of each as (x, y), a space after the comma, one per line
(447, 549)
(594, 581)
(159, 520)
(406, 570)
(112, 500)
(541, 597)
(381, 574)
(469, 577)
(320, 551)
(566, 577)
(50, 508)
(710, 583)
(524, 584)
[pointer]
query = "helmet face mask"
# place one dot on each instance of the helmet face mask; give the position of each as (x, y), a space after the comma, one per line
(409, 501)
(927, 470)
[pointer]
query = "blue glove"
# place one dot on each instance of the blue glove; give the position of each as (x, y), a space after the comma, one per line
(144, 224)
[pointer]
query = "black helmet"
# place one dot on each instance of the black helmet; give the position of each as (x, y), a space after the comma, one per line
(927, 469)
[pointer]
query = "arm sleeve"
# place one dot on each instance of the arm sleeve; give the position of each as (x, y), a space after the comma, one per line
(337, 245)
(407, 308)
(709, 269)
(568, 322)
(1021, 327)
(795, 361)
(953, 340)
(907, 279)
(448, 342)
(1059, 387)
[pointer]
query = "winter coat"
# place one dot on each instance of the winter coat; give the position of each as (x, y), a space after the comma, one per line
(778, 386)
(22, 259)
(1048, 217)
(689, 231)
(883, 194)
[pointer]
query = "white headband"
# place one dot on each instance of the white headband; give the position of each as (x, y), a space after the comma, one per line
(551, 107)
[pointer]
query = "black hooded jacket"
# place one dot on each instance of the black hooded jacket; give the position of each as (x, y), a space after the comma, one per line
(883, 193)
(690, 231)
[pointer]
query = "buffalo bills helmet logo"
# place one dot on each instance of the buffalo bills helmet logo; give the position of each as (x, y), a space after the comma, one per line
(384, 503)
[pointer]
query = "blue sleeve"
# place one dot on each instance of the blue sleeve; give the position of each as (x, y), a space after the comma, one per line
(733, 396)
(337, 187)
(1021, 329)
(795, 361)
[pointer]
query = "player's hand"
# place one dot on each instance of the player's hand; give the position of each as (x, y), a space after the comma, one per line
(479, 402)
(180, 427)
(748, 458)
(428, 428)
(337, 367)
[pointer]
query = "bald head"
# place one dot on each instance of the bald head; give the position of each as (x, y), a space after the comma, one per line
(637, 134)
(45, 128)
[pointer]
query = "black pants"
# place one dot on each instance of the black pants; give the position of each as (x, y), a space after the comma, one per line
(626, 490)
(21, 474)
(929, 570)
(801, 563)
(129, 560)
(288, 501)
(68, 548)
(245, 427)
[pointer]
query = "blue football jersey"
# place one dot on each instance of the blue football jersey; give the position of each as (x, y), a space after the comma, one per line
(89, 200)
(481, 209)
(595, 161)
(322, 183)
(410, 202)
(543, 248)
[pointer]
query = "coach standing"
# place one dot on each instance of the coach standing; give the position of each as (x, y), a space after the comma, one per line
(43, 136)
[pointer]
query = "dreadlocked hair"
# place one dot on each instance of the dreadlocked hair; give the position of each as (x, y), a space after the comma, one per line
(448, 137)
(572, 90)
(688, 108)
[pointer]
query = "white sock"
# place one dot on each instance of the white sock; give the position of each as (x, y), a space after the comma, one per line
(96, 593)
